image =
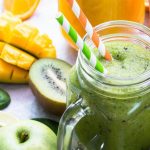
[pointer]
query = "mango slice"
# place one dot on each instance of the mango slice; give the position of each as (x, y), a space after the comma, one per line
(20, 46)
(4, 28)
(27, 37)
(21, 34)
(12, 74)
(41, 46)
(15, 56)
(7, 23)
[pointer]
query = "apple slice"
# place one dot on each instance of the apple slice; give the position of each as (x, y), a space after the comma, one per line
(27, 135)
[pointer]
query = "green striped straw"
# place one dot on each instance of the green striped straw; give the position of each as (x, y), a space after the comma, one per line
(80, 43)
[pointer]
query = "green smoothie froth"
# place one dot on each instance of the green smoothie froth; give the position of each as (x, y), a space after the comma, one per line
(129, 59)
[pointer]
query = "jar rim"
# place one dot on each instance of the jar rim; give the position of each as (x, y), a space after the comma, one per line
(117, 81)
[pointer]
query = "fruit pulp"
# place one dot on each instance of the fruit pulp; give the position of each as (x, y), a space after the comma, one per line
(18, 7)
(23, 8)
(115, 122)
(99, 11)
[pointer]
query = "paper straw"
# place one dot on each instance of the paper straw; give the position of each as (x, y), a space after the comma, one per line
(80, 43)
(89, 29)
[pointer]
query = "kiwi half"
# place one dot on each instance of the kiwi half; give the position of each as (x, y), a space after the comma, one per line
(47, 78)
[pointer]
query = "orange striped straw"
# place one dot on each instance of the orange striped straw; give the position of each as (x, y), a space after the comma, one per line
(89, 29)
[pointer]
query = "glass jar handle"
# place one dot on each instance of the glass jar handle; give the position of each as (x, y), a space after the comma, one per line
(74, 113)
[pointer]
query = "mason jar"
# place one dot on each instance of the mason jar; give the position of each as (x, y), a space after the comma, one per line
(107, 112)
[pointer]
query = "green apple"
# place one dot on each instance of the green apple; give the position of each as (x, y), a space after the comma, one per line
(53, 125)
(7, 119)
(27, 135)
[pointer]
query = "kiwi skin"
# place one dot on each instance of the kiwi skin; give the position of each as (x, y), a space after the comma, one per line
(49, 105)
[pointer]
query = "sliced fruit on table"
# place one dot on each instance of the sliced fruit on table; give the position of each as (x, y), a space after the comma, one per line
(21, 34)
(7, 23)
(41, 46)
(47, 78)
(22, 8)
(15, 56)
(12, 74)
(27, 135)
(26, 37)
(4, 99)
(7, 119)
(53, 125)
(20, 45)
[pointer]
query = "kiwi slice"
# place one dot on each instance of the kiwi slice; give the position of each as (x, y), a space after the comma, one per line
(4, 99)
(47, 78)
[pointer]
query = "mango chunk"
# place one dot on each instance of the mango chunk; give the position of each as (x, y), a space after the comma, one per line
(10, 54)
(4, 28)
(16, 57)
(21, 34)
(2, 44)
(25, 36)
(19, 76)
(12, 74)
(39, 44)
(49, 52)
(25, 61)
(20, 44)
(7, 23)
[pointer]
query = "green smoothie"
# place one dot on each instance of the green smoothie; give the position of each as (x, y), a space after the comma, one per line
(119, 116)
(129, 60)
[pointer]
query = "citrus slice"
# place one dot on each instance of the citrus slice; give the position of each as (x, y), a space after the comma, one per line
(6, 119)
(22, 8)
